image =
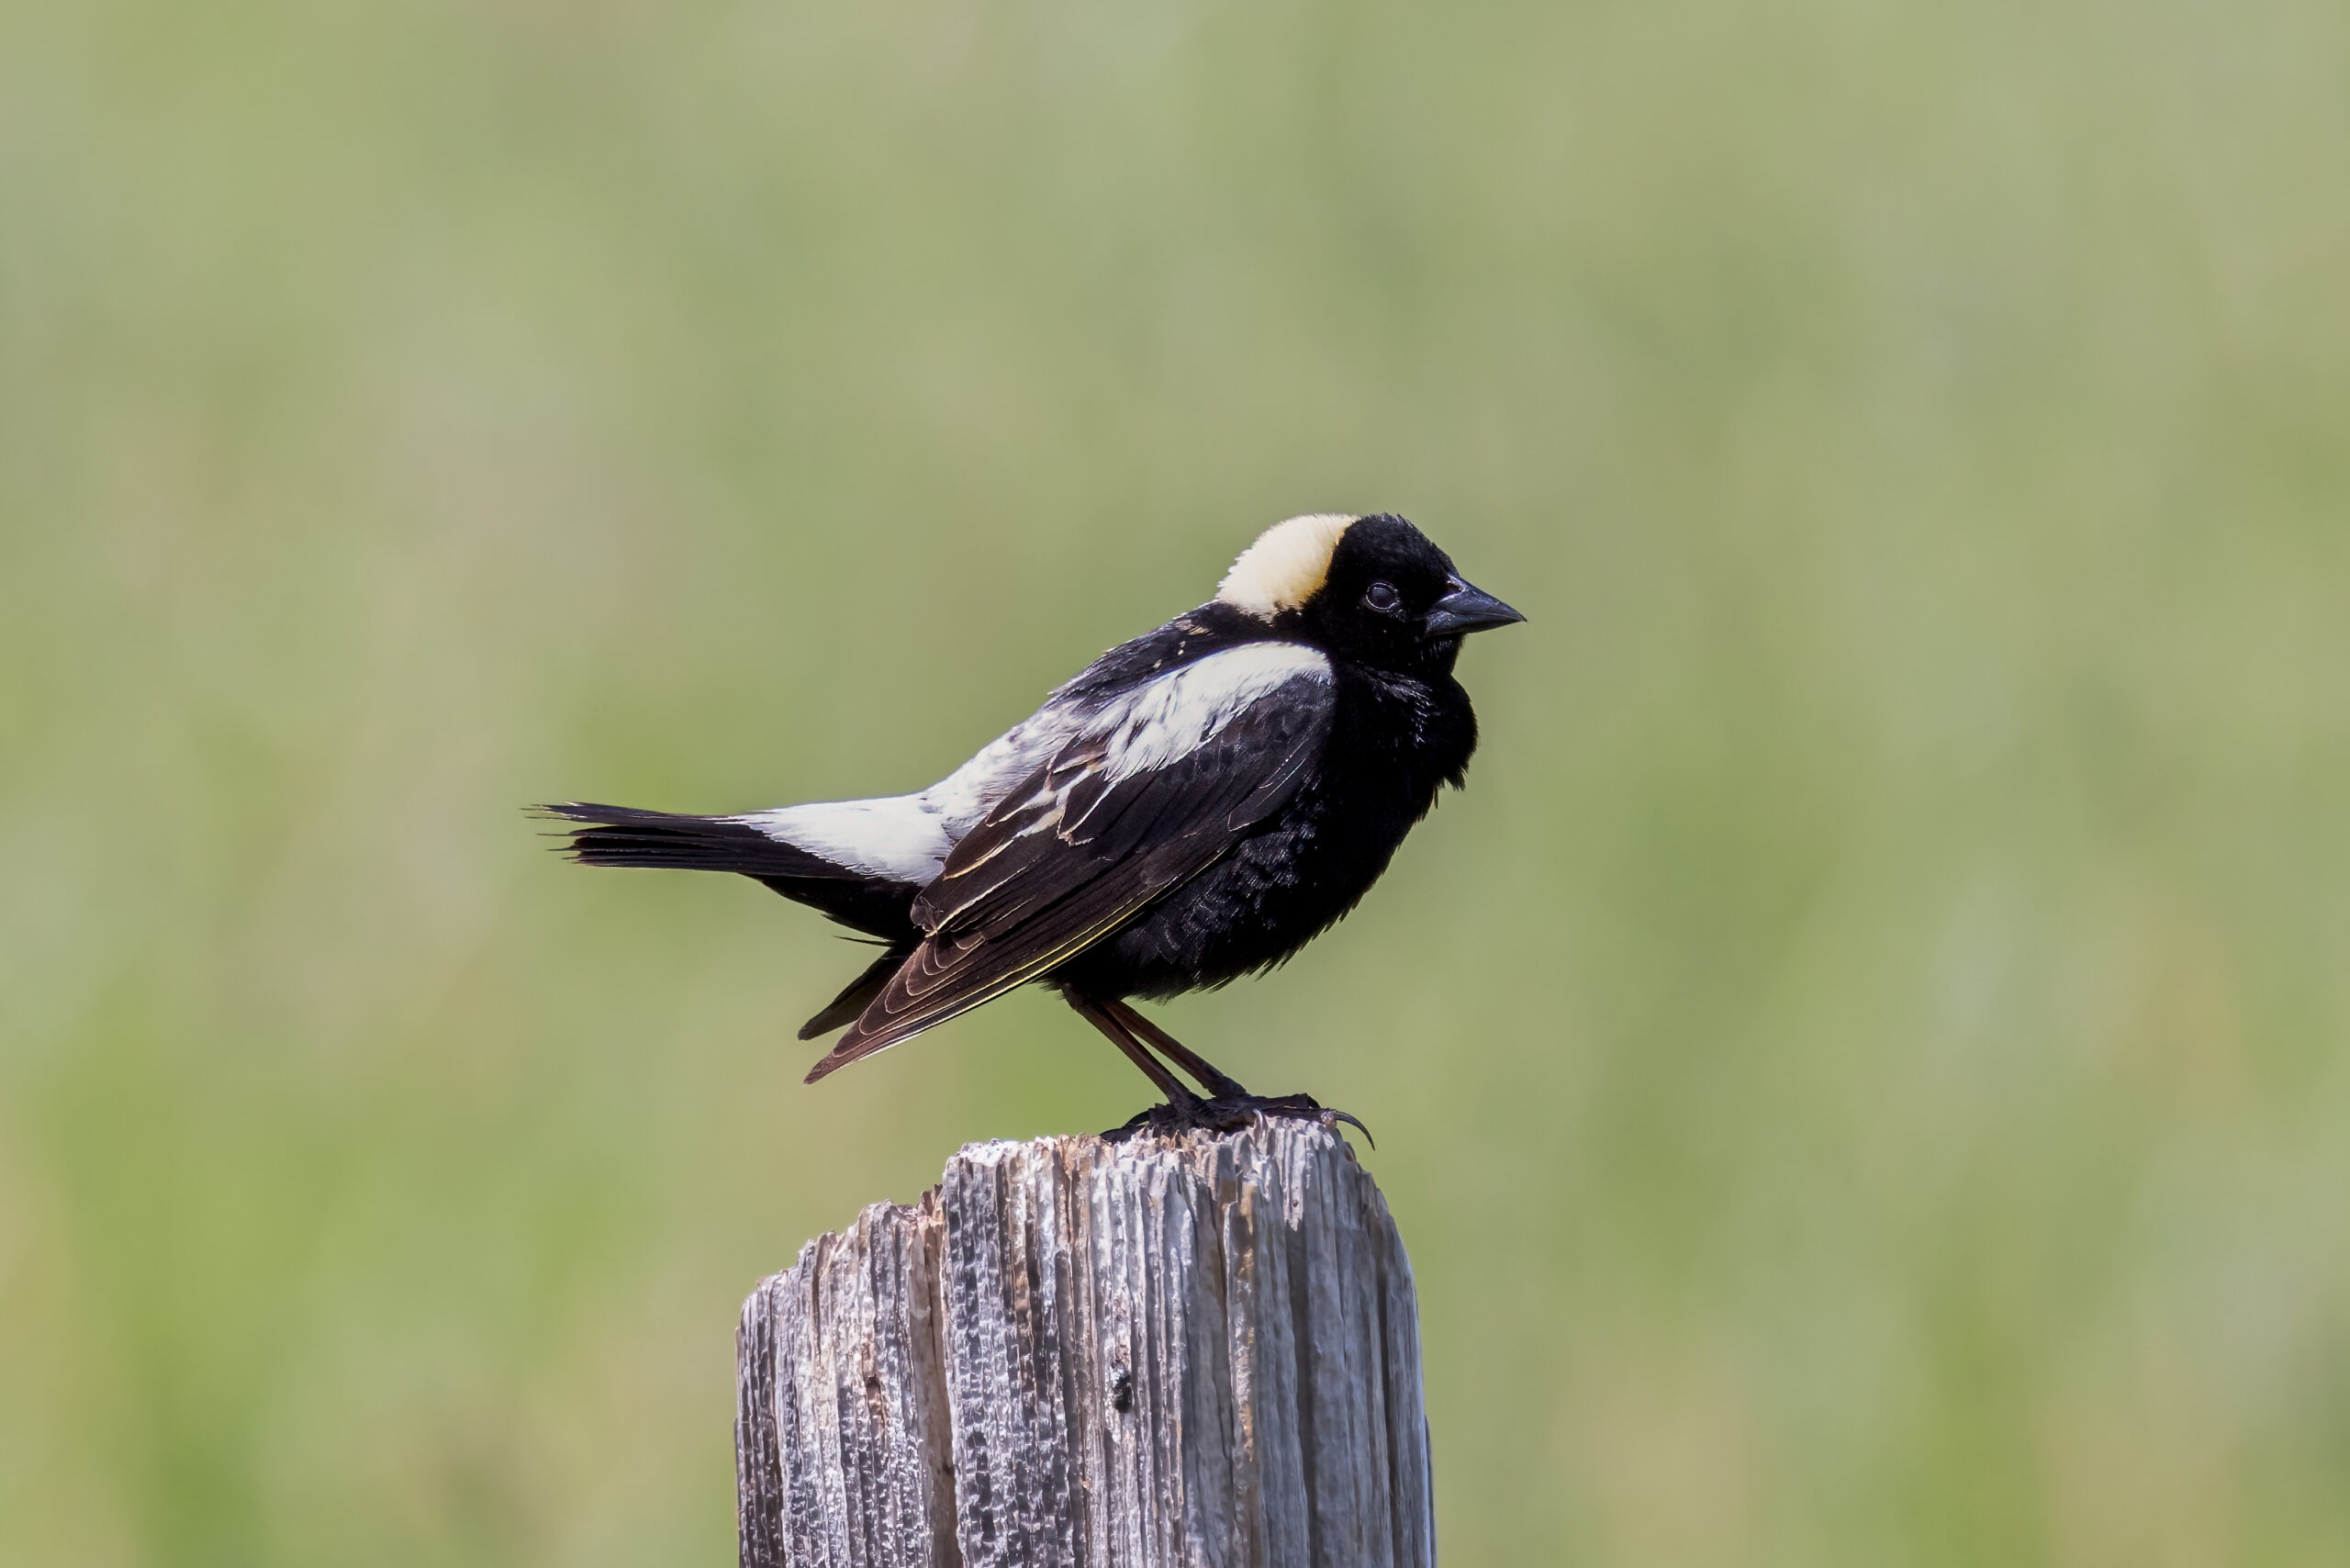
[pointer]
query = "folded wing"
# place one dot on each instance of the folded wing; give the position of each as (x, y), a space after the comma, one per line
(1145, 797)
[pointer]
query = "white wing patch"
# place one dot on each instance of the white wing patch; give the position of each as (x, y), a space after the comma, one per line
(1181, 711)
(907, 837)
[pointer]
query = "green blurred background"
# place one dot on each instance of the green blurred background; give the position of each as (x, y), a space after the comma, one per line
(1862, 1071)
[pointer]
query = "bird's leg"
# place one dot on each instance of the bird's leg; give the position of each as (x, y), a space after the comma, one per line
(1228, 1107)
(1100, 1016)
(1217, 1085)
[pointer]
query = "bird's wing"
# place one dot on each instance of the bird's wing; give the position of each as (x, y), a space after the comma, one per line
(1144, 797)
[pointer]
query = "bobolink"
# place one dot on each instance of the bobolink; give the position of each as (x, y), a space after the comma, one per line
(1196, 805)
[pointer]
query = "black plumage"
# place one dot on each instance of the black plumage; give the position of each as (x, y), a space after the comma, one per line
(1195, 805)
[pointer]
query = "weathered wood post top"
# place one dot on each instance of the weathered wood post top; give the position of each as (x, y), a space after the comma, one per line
(1198, 1351)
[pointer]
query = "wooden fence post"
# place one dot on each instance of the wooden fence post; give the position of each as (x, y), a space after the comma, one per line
(1200, 1351)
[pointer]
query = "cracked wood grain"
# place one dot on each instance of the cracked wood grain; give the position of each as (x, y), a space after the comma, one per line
(1200, 1351)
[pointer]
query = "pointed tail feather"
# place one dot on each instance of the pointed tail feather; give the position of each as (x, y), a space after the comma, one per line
(624, 835)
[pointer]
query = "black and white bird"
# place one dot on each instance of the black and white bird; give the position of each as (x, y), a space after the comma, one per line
(1196, 805)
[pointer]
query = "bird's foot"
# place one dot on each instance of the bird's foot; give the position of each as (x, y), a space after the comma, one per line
(1230, 1114)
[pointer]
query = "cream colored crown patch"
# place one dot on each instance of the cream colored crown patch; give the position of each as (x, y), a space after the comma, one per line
(1286, 565)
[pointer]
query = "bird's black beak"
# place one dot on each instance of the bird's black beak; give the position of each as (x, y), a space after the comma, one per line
(1467, 608)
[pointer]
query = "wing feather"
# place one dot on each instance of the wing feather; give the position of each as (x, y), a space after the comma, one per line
(1088, 842)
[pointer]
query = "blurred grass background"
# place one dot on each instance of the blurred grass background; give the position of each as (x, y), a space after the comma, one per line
(1862, 1071)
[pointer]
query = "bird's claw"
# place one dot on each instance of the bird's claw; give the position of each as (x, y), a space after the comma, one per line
(1231, 1114)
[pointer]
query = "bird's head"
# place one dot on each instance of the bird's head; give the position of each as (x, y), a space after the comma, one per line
(1373, 590)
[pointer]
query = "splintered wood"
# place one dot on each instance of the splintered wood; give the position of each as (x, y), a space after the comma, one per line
(1201, 1351)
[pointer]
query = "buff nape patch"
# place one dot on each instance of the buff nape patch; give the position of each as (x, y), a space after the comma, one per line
(1285, 567)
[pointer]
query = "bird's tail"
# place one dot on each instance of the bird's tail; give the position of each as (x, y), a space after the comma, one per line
(624, 835)
(629, 837)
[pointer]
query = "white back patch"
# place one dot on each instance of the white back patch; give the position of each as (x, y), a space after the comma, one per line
(906, 837)
(968, 793)
(897, 836)
(1286, 565)
(1180, 713)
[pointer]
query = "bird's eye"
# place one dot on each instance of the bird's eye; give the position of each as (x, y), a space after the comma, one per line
(1382, 597)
